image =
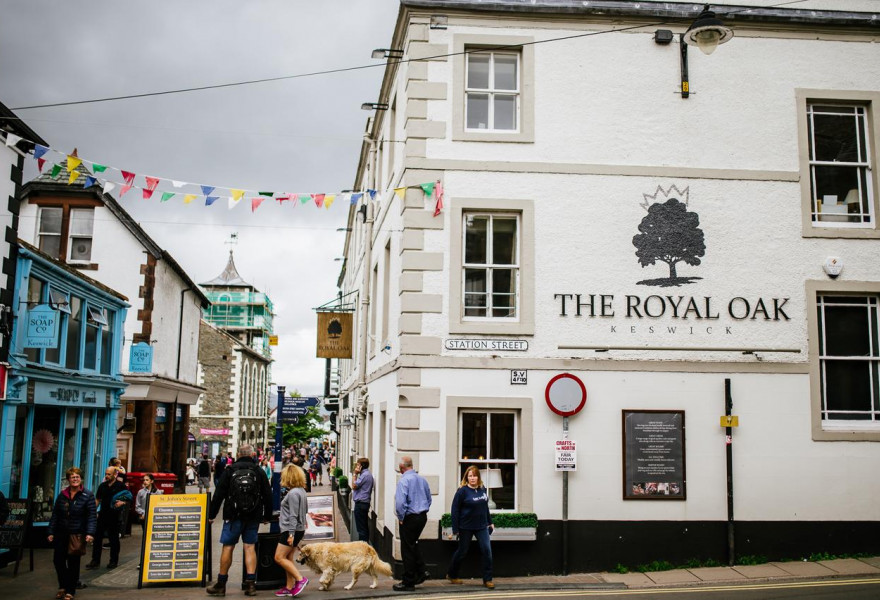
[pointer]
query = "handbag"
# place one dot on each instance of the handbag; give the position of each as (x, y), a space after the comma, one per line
(76, 544)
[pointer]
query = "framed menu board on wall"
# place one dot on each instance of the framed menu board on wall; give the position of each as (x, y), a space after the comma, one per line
(176, 542)
(13, 533)
(654, 455)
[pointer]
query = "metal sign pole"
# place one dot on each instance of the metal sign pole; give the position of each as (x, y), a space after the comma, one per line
(279, 442)
(565, 506)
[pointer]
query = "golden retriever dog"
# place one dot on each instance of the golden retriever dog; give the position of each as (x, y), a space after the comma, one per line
(330, 559)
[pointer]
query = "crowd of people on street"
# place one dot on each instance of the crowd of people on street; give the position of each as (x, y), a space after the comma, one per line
(242, 489)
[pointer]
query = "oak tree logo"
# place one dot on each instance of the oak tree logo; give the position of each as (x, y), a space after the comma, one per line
(334, 329)
(669, 233)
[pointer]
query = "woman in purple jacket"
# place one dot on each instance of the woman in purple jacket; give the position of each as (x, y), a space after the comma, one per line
(74, 513)
(471, 518)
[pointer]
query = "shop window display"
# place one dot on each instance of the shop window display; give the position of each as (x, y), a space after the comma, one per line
(44, 461)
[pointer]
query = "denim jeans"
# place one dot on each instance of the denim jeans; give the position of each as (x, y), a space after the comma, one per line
(464, 544)
(362, 520)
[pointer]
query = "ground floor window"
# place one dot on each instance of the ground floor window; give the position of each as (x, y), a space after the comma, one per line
(43, 475)
(488, 440)
(849, 359)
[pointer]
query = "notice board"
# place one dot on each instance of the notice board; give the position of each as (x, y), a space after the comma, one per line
(13, 532)
(654, 455)
(321, 519)
(176, 539)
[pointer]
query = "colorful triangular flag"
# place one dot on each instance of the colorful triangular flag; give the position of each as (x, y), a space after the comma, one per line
(237, 194)
(400, 192)
(206, 190)
(89, 181)
(439, 206)
(56, 169)
(303, 198)
(329, 199)
(428, 188)
(356, 197)
(152, 182)
(189, 198)
(124, 189)
(209, 200)
(319, 199)
(255, 203)
(12, 139)
(98, 168)
(72, 163)
(109, 186)
(178, 184)
(39, 150)
(73, 175)
(41, 162)
(166, 196)
(128, 177)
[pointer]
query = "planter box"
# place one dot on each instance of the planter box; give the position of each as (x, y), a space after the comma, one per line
(502, 534)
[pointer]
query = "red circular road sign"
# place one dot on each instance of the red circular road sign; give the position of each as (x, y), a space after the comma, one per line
(566, 395)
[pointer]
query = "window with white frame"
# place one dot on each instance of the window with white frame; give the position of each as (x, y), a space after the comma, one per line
(849, 360)
(82, 222)
(49, 230)
(490, 275)
(492, 91)
(840, 164)
(488, 440)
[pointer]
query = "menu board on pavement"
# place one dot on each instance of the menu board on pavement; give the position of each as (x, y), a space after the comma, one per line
(175, 539)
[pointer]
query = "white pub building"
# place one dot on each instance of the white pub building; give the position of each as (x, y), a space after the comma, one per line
(578, 212)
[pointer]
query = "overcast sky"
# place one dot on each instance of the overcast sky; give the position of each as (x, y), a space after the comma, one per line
(298, 135)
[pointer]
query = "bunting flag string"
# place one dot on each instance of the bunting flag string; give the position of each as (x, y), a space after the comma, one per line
(101, 175)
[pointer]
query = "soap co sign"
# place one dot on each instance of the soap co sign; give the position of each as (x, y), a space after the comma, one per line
(140, 358)
(42, 327)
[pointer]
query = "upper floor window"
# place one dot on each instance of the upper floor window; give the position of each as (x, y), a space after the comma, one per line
(492, 91)
(839, 165)
(838, 137)
(66, 228)
(849, 361)
(491, 265)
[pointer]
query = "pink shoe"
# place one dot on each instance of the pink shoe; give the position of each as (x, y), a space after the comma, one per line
(300, 586)
(284, 593)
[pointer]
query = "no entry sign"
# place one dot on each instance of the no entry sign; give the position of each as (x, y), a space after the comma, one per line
(566, 394)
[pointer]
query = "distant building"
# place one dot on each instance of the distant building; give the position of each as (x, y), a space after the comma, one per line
(244, 314)
(232, 410)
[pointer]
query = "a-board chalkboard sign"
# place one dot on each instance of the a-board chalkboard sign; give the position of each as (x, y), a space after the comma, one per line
(13, 532)
(320, 521)
(175, 543)
(654, 455)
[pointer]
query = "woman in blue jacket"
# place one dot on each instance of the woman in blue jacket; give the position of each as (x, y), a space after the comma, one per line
(74, 513)
(471, 518)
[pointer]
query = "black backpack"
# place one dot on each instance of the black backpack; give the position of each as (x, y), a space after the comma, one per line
(244, 492)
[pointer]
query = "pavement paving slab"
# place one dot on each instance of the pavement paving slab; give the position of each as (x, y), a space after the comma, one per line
(672, 577)
(628, 579)
(873, 561)
(767, 571)
(804, 569)
(717, 574)
(850, 566)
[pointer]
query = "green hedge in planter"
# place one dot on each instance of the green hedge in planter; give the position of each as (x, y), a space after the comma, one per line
(342, 481)
(337, 472)
(502, 520)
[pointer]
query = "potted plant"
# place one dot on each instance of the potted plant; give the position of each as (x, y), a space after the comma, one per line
(342, 482)
(334, 478)
(508, 526)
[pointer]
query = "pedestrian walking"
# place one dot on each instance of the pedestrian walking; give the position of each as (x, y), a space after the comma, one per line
(204, 471)
(314, 469)
(298, 461)
(411, 503)
(361, 494)
(292, 522)
(471, 518)
(246, 496)
(219, 466)
(73, 525)
(110, 497)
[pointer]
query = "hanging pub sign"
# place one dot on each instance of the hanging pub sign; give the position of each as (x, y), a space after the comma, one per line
(42, 327)
(654, 455)
(174, 545)
(334, 335)
(140, 358)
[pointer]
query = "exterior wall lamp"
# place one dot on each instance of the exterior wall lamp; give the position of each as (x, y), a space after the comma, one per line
(374, 106)
(706, 33)
(387, 53)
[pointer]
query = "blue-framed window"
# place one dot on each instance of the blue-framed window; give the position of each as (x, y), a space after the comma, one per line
(85, 330)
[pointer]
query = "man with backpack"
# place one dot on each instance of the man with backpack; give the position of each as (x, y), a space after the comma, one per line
(246, 496)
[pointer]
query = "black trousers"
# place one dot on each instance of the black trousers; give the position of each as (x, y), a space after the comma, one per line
(109, 526)
(66, 566)
(413, 563)
(362, 520)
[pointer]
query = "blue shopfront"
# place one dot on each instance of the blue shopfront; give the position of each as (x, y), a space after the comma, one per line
(64, 380)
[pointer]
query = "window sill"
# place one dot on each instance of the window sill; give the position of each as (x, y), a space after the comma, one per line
(868, 233)
(493, 136)
(85, 266)
(850, 434)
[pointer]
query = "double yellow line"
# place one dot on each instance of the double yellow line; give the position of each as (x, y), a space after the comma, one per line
(514, 593)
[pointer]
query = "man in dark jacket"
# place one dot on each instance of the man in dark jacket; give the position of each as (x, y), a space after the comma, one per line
(204, 471)
(246, 496)
(108, 518)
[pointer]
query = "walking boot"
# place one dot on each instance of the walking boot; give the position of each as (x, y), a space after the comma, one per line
(250, 588)
(218, 589)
